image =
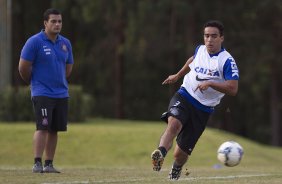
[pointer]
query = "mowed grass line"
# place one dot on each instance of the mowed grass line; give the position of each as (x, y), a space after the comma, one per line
(112, 151)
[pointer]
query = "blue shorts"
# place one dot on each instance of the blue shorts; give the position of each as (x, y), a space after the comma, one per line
(50, 113)
(193, 121)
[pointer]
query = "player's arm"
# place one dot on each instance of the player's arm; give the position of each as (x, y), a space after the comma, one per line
(229, 87)
(183, 71)
(25, 68)
(68, 70)
(70, 61)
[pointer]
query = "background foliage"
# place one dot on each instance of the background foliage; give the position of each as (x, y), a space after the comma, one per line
(16, 104)
(124, 49)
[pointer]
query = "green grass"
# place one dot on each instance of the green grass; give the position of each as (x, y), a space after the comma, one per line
(111, 151)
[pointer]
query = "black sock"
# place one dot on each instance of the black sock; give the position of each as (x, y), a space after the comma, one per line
(163, 151)
(176, 166)
(37, 159)
(48, 162)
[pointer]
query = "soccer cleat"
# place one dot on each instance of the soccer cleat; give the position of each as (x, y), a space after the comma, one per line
(157, 160)
(37, 167)
(50, 169)
(175, 173)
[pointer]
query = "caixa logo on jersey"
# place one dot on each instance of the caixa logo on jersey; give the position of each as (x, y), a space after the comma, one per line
(207, 71)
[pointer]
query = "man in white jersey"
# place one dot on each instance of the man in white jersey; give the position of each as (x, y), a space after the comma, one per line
(208, 75)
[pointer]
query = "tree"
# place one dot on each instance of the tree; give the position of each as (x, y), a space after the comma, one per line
(27, 19)
(5, 43)
(271, 13)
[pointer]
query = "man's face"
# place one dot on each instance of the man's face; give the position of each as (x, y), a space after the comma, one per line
(212, 39)
(54, 24)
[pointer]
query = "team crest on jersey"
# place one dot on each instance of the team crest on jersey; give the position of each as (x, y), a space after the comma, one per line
(64, 47)
(45, 121)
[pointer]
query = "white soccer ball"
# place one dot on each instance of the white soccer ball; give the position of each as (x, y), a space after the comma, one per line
(230, 153)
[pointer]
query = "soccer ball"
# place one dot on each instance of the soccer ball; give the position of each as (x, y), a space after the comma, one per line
(230, 153)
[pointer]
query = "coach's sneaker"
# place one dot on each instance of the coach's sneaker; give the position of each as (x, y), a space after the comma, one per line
(50, 169)
(175, 173)
(157, 160)
(37, 167)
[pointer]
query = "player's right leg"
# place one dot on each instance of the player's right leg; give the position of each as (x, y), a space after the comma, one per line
(42, 112)
(39, 140)
(157, 159)
(173, 128)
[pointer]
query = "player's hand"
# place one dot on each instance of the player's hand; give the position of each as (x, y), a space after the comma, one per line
(171, 79)
(203, 86)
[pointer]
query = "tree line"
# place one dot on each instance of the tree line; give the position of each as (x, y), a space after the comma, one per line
(124, 49)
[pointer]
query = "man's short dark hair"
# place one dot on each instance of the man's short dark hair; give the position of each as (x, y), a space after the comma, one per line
(217, 24)
(49, 12)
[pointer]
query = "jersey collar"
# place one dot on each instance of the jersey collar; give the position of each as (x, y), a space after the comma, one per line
(216, 54)
(44, 36)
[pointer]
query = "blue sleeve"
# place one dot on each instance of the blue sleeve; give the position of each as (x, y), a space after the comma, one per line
(196, 50)
(70, 58)
(29, 50)
(230, 70)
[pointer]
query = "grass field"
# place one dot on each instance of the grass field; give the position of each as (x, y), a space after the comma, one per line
(111, 151)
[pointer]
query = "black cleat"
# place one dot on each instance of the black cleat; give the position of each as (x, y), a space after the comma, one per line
(175, 173)
(157, 160)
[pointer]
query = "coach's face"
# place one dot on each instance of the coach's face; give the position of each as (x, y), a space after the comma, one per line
(54, 24)
(212, 39)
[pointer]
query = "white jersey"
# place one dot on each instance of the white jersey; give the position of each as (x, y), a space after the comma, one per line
(218, 67)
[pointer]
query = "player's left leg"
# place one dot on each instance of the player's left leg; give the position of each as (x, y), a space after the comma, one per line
(59, 123)
(51, 145)
(180, 158)
(50, 150)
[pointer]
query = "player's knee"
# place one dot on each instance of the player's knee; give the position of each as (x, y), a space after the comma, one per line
(174, 125)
